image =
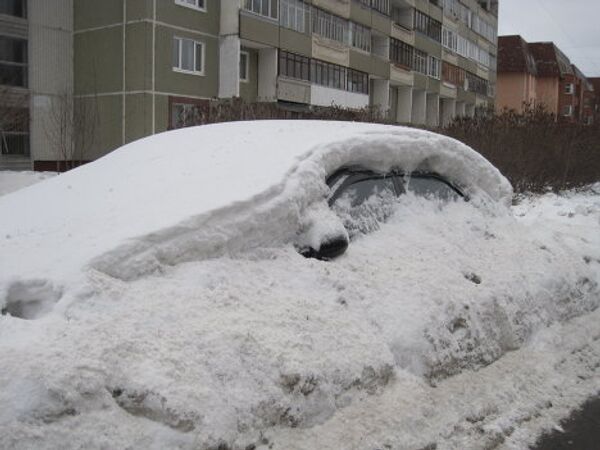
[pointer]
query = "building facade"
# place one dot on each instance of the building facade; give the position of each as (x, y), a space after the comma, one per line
(140, 67)
(538, 73)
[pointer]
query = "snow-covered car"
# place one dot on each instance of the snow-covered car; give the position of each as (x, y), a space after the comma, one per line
(160, 298)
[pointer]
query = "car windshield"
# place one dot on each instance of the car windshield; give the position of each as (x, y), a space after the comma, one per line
(430, 187)
(363, 202)
(363, 199)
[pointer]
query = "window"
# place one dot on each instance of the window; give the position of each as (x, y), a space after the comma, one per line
(476, 84)
(244, 65)
(188, 56)
(328, 75)
(569, 88)
(382, 6)
(293, 15)
(360, 37)
(401, 53)
(449, 39)
(329, 26)
(195, 4)
(428, 26)
(13, 61)
(433, 67)
(363, 201)
(14, 135)
(462, 46)
(267, 8)
(431, 187)
(358, 82)
(322, 73)
(567, 110)
(16, 8)
(453, 75)
(420, 61)
(294, 66)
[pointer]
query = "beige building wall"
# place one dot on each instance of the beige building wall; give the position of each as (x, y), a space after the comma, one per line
(515, 90)
(547, 90)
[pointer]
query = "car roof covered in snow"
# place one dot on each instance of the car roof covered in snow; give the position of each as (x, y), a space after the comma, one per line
(58, 226)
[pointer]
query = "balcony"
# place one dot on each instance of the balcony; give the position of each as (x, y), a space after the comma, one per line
(338, 7)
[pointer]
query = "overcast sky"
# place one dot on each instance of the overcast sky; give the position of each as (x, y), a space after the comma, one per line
(573, 25)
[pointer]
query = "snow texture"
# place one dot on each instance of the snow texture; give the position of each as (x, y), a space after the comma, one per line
(11, 181)
(196, 324)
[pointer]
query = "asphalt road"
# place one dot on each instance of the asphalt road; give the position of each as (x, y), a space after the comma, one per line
(582, 431)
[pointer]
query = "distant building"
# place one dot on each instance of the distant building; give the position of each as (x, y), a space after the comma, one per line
(145, 66)
(595, 98)
(540, 74)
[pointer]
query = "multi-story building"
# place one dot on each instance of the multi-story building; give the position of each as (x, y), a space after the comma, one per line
(539, 73)
(36, 54)
(145, 66)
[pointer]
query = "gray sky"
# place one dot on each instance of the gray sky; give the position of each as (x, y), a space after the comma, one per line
(573, 25)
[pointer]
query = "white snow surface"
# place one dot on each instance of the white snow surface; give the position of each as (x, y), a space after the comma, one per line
(455, 324)
(188, 193)
(11, 181)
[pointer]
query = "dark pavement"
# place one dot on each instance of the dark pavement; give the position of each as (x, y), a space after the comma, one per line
(582, 431)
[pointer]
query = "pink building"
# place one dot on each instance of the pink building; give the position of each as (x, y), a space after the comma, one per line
(540, 74)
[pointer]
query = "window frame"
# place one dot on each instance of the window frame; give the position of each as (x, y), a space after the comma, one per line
(245, 78)
(346, 176)
(18, 65)
(570, 109)
(569, 88)
(24, 11)
(248, 5)
(296, 9)
(202, 45)
(195, 7)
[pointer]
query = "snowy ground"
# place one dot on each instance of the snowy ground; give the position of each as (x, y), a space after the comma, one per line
(11, 181)
(478, 330)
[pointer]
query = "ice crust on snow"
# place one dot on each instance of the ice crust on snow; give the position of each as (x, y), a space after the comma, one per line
(490, 318)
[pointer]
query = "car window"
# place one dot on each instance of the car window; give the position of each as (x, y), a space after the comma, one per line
(363, 202)
(430, 187)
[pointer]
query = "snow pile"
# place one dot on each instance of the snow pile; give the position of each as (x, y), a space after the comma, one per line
(452, 324)
(204, 191)
(11, 181)
(269, 347)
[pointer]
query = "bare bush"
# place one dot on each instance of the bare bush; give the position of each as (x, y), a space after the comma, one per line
(70, 129)
(533, 150)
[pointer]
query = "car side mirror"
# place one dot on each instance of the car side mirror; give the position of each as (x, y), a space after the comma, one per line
(323, 235)
(332, 248)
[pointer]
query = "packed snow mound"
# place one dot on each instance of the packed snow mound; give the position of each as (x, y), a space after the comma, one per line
(390, 345)
(206, 191)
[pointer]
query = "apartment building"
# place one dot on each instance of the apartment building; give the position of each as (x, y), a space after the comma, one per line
(540, 73)
(35, 67)
(140, 67)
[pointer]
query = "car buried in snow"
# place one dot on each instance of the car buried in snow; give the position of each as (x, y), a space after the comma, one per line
(159, 296)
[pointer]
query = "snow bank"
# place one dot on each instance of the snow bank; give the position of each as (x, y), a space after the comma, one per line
(206, 191)
(390, 345)
(454, 325)
(11, 181)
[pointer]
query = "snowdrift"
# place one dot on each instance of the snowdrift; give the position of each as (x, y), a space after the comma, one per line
(184, 318)
(201, 192)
